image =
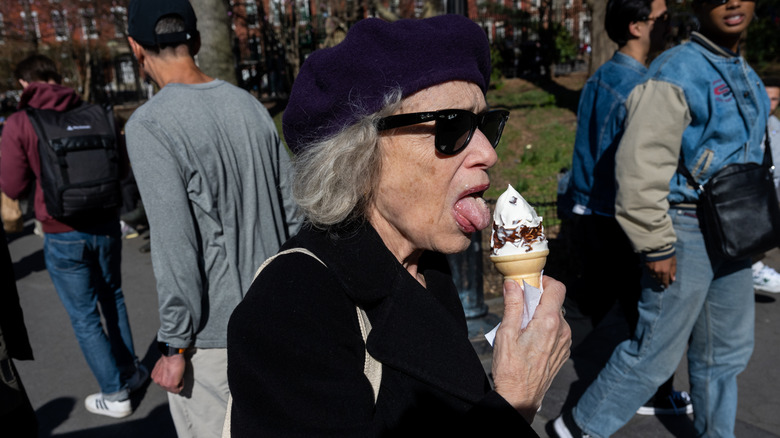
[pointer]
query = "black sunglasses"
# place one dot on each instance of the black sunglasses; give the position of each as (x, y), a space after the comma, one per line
(663, 17)
(454, 127)
(719, 2)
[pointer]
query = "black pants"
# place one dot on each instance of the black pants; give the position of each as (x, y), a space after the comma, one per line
(610, 273)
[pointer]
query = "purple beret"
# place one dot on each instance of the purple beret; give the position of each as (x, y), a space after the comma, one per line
(339, 85)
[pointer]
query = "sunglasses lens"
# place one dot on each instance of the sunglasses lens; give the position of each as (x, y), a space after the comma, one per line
(492, 125)
(453, 131)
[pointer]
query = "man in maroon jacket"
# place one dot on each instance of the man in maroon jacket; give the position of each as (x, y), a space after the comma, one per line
(82, 256)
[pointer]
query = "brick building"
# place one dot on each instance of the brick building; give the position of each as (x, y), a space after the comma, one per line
(86, 37)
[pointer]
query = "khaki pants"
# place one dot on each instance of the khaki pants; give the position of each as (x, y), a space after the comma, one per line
(199, 410)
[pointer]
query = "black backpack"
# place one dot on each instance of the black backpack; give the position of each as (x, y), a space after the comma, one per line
(80, 161)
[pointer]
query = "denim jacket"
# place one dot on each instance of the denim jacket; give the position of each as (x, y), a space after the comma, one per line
(699, 101)
(600, 118)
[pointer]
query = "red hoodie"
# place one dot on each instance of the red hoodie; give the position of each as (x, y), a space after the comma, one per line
(19, 159)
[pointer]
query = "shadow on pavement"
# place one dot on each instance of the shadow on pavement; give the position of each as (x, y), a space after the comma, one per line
(157, 424)
(29, 264)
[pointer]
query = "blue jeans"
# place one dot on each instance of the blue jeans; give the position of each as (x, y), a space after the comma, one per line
(710, 310)
(85, 270)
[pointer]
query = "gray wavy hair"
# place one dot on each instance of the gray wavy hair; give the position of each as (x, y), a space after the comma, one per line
(335, 178)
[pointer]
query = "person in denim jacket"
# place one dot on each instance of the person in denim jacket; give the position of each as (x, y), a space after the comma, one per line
(639, 27)
(700, 100)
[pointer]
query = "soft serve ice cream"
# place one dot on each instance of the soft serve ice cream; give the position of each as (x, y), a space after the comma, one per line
(516, 227)
(519, 249)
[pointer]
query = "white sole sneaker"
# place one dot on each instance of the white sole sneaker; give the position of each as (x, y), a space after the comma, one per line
(561, 429)
(96, 404)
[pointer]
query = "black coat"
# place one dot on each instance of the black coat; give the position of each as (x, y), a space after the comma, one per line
(12, 329)
(296, 354)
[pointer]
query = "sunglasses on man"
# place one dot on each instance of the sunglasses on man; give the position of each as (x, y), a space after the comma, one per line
(454, 127)
(720, 2)
(661, 18)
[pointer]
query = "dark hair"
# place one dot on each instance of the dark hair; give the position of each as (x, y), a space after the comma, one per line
(620, 14)
(772, 81)
(170, 24)
(37, 68)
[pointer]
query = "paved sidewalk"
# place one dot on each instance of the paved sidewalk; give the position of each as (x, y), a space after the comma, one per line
(58, 379)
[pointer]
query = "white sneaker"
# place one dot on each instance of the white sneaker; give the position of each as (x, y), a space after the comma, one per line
(128, 232)
(96, 404)
(765, 278)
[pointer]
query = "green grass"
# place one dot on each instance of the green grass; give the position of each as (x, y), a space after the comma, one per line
(531, 98)
(537, 142)
(532, 152)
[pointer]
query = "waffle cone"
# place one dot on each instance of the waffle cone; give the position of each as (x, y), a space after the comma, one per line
(522, 267)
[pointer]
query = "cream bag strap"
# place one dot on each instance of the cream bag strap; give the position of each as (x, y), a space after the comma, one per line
(372, 368)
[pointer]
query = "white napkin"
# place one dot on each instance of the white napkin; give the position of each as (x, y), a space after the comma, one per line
(532, 297)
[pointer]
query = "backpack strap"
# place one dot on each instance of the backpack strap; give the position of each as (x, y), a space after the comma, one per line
(372, 368)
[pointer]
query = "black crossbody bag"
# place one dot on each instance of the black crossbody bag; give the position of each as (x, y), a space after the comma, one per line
(738, 208)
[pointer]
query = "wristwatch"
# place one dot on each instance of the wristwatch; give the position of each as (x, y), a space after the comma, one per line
(167, 350)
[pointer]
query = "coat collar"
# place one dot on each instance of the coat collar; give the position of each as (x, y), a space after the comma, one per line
(712, 47)
(420, 332)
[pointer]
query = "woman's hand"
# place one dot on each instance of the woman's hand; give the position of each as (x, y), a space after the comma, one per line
(525, 362)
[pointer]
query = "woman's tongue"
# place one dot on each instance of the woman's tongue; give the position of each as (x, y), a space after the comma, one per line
(472, 212)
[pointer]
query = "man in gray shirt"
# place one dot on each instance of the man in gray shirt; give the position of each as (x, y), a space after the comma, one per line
(213, 177)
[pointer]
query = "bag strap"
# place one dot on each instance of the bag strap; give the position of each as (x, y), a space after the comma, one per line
(766, 162)
(372, 368)
(768, 159)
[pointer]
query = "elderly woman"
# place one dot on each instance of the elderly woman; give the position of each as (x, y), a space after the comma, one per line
(393, 139)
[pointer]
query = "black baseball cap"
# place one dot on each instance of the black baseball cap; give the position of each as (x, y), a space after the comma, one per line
(144, 15)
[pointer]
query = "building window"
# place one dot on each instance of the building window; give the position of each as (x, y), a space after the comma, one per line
(303, 13)
(418, 8)
(36, 29)
(88, 25)
(119, 14)
(2, 29)
(251, 13)
(482, 6)
(59, 22)
(500, 31)
(277, 6)
(126, 72)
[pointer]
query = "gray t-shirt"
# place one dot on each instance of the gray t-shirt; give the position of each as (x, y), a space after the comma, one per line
(214, 180)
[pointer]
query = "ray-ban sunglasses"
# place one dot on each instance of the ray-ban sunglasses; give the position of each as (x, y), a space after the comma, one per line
(720, 2)
(454, 127)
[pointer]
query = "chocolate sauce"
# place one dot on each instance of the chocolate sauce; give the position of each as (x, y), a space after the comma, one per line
(524, 234)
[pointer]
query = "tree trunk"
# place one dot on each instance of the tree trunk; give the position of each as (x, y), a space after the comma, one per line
(216, 55)
(602, 47)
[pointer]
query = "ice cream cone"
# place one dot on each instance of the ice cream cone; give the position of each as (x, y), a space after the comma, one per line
(522, 267)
